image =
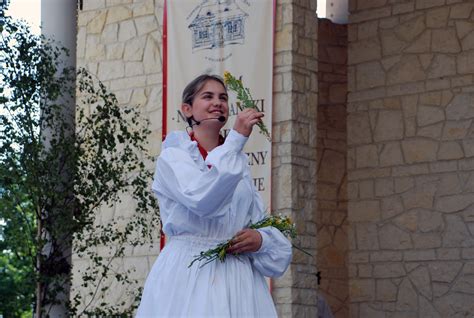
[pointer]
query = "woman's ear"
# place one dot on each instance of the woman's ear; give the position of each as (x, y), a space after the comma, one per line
(186, 109)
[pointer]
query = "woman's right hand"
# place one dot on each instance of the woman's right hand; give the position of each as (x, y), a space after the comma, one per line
(246, 119)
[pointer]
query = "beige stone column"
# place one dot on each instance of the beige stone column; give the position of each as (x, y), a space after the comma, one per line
(294, 148)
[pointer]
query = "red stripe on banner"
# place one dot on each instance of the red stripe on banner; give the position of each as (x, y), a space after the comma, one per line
(273, 112)
(164, 92)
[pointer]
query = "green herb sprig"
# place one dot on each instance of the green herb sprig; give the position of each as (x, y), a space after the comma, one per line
(245, 98)
(282, 223)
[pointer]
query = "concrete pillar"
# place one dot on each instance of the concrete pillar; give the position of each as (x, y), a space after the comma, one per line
(59, 22)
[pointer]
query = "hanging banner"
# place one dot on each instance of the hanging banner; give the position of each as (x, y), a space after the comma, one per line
(213, 36)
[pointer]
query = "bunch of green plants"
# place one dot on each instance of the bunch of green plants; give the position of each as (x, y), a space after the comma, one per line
(67, 150)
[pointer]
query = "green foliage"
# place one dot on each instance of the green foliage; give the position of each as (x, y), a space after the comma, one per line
(59, 166)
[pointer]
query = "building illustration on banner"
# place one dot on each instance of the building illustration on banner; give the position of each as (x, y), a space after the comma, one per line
(217, 23)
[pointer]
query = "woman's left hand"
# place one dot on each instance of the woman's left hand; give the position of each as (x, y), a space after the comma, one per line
(247, 240)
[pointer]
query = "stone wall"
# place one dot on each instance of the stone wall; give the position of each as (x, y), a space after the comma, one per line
(411, 158)
(332, 225)
(119, 41)
(294, 148)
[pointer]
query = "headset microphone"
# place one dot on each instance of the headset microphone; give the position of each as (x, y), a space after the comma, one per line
(196, 122)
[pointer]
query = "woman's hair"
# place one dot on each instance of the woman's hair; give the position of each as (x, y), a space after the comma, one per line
(196, 84)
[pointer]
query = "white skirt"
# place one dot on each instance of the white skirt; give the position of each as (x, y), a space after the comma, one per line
(229, 289)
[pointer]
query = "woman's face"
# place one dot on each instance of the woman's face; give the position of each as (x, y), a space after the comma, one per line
(210, 102)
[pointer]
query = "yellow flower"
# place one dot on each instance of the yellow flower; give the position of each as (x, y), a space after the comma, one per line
(227, 77)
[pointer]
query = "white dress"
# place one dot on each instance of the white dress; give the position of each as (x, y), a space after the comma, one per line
(201, 207)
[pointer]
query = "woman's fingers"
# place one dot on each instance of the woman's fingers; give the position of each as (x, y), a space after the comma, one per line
(247, 240)
(246, 119)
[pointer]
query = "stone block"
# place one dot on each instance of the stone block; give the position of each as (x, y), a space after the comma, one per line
(367, 15)
(445, 41)
(429, 221)
(367, 30)
(127, 31)
(152, 57)
(464, 284)
(364, 271)
(366, 189)
(110, 34)
(420, 278)
(442, 65)
(437, 18)
(389, 270)
(96, 25)
(391, 44)
(385, 256)
(428, 240)
(438, 84)
(428, 115)
(411, 170)
(410, 29)
(409, 69)
(431, 131)
(444, 272)
(364, 211)
(450, 150)
(468, 146)
(145, 8)
(467, 253)
(467, 43)
(400, 8)
(118, 13)
(134, 49)
(393, 238)
(454, 304)
(361, 290)
(419, 150)
(464, 80)
(466, 164)
(391, 206)
(456, 233)
(366, 156)
(407, 296)
(114, 51)
(129, 82)
(366, 234)
(384, 187)
(358, 257)
(358, 127)
(389, 126)
(146, 24)
(364, 51)
(419, 255)
(134, 69)
(461, 11)
(448, 253)
(463, 28)
(94, 49)
(454, 203)
(369, 75)
(465, 62)
(454, 130)
(421, 45)
(111, 70)
(403, 184)
(407, 221)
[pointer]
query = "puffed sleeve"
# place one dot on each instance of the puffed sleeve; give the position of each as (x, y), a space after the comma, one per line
(274, 256)
(202, 191)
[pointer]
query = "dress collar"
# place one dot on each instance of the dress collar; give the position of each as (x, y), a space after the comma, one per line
(201, 148)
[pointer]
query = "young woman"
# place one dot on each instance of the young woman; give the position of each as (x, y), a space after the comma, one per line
(206, 196)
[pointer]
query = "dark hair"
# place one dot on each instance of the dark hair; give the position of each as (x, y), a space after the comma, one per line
(196, 84)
